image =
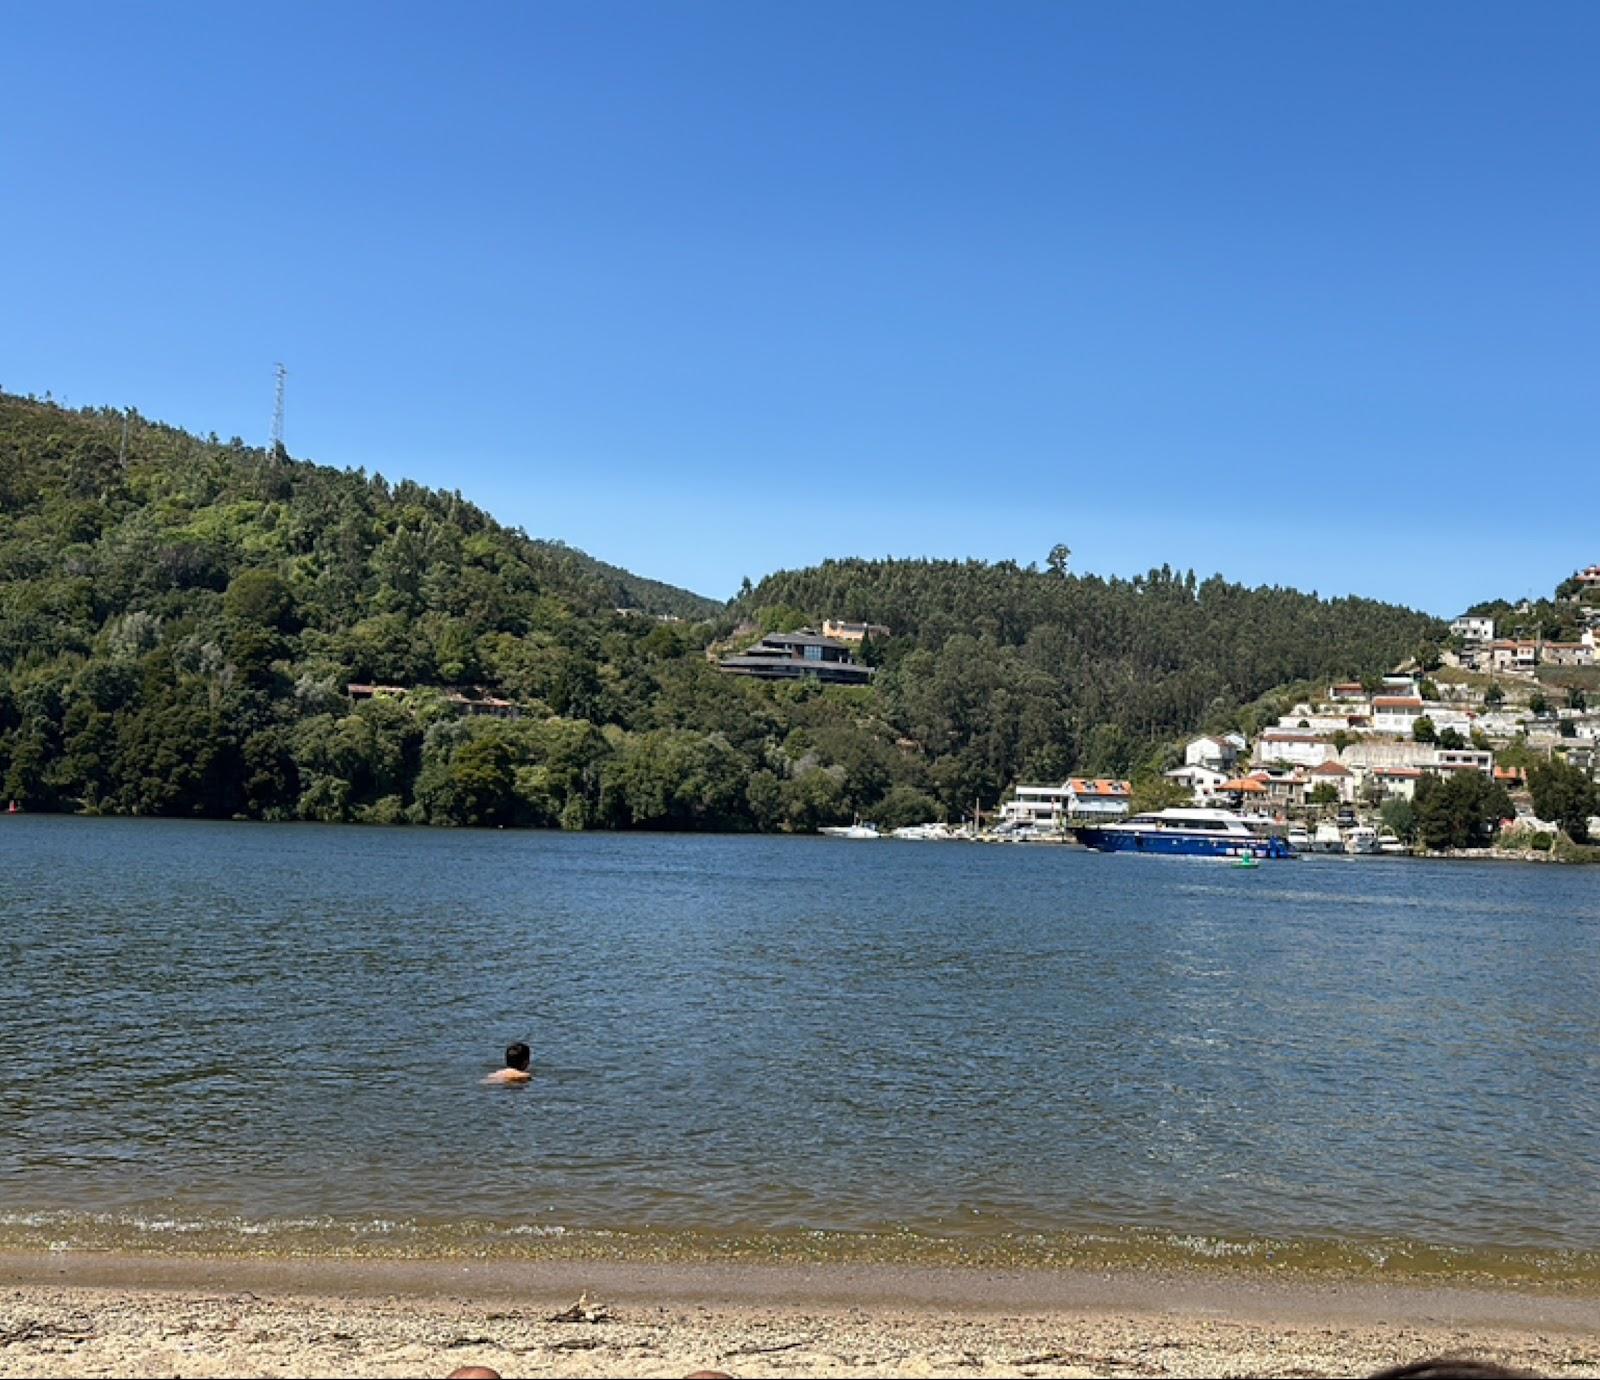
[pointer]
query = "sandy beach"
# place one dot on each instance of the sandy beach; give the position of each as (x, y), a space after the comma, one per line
(164, 1316)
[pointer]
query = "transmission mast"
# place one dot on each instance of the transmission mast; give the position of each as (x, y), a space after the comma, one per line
(278, 451)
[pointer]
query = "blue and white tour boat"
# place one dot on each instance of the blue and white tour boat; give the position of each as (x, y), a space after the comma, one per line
(1186, 832)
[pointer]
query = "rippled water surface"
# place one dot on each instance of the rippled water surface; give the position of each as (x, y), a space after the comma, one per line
(278, 1031)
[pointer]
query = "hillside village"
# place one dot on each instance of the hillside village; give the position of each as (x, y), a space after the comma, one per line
(1493, 704)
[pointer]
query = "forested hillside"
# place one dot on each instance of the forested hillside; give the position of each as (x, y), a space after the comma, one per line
(179, 626)
(1044, 671)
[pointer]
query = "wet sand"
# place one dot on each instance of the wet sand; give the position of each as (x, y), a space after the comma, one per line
(64, 1314)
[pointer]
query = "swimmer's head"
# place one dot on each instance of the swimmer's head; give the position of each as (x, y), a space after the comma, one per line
(517, 1057)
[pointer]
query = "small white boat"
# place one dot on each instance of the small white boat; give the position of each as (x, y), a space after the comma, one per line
(1361, 839)
(1299, 839)
(1327, 839)
(923, 831)
(1389, 842)
(857, 830)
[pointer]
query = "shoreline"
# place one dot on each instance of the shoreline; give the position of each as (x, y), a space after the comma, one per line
(1490, 854)
(87, 1314)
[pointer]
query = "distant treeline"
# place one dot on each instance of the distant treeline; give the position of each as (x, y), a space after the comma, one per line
(180, 619)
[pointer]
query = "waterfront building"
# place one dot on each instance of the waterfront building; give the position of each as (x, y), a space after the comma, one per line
(1099, 798)
(1052, 807)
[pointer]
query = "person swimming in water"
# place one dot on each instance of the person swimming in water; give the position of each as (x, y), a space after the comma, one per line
(518, 1057)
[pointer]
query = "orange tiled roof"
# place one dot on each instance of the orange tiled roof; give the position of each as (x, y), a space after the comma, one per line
(1081, 785)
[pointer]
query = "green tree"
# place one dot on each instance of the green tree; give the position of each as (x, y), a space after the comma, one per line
(1400, 817)
(1423, 730)
(904, 806)
(1564, 795)
(1464, 811)
(260, 598)
(1153, 792)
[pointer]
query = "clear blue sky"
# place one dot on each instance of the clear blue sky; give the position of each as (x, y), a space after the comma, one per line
(1307, 294)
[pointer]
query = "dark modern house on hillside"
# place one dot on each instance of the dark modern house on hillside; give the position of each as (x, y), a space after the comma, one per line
(790, 656)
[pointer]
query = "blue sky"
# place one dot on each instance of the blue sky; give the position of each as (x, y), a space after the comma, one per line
(1306, 294)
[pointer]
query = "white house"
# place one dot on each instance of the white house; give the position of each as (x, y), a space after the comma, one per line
(1447, 761)
(1395, 782)
(1297, 747)
(1202, 782)
(1473, 630)
(1049, 807)
(1039, 807)
(1396, 714)
(1097, 798)
(1503, 723)
(1518, 656)
(1337, 775)
(1443, 717)
(1217, 751)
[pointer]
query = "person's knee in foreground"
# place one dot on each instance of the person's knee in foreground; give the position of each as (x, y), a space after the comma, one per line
(518, 1057)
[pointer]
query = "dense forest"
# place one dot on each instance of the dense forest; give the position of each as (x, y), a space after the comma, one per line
(180, 620)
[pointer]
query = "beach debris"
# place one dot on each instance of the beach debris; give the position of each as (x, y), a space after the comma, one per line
(584, 1312)
(576, 1344)
(753, 1349)
(31, 1330)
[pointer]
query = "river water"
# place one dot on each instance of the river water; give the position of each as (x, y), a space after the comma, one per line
(230, 1036)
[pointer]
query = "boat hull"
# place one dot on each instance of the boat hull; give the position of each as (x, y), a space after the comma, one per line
(1175, 844)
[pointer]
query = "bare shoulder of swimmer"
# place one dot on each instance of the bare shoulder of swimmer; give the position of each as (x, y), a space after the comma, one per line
(509, 1076)
(518, 1057)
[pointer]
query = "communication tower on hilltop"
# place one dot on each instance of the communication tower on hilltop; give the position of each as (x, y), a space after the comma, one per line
(278, 451)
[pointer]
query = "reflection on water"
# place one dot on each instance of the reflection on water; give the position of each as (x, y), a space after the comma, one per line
(273, 1035)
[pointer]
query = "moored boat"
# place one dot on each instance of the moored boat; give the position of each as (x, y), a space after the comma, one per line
(935, 831)
(857, 830)
(1327, 839)
(1186, 832)
(1361, 839)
